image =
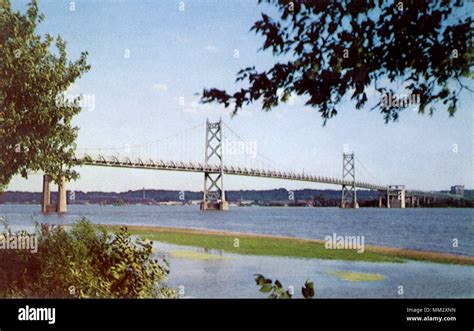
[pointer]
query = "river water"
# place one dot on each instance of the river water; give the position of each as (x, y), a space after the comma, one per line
(432, 229)
(231, 275)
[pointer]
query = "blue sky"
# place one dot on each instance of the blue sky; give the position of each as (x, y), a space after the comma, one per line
(149, 59)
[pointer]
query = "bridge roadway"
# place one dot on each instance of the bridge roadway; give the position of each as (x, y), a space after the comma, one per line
(138, 163)
(395, 194)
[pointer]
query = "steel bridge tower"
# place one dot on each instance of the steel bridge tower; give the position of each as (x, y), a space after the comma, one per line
(214, 194)
(349, 191)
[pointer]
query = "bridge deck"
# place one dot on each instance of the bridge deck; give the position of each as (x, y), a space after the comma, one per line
(228, 170)
(139, 163)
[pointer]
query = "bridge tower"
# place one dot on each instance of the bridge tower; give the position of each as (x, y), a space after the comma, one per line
(349, 191)
(214, 194)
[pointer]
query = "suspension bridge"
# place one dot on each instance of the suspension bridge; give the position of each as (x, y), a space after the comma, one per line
(217, 148)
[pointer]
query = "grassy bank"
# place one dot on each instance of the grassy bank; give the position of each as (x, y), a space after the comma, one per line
(253, 244)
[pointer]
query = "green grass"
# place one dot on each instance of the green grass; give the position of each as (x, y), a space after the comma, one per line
(250, 244)
(263, 246)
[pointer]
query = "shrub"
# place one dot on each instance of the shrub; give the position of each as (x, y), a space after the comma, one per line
(276, 290)
(84, 261)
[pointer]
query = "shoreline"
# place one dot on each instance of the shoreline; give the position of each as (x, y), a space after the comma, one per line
(273, 245)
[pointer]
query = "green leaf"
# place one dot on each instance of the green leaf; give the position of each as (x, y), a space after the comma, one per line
(265, 288)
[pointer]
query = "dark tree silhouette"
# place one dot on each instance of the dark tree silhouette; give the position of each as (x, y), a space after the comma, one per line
(338, 48)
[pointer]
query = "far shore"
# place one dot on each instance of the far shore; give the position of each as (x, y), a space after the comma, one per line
(270, 245)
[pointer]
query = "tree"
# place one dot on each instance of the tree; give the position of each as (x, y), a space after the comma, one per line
(35, 117)
(332, 49)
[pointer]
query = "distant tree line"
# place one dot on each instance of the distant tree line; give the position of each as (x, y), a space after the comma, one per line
(317, 198)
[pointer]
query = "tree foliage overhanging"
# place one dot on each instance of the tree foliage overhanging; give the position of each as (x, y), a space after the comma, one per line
(331, 49)
(36, 133)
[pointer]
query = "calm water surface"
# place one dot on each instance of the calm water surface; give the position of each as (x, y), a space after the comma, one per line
(417, 228)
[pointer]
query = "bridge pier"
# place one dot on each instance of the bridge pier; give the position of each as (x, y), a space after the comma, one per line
(62, 199)
(46, 206)
(221, 206)
(396, 196)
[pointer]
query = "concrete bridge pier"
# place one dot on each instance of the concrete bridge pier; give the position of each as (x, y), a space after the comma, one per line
(208, 205)
(396, 196)
(62, 200)
(46, 206)
(388, 198)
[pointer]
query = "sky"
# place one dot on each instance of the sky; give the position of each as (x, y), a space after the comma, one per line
(150, 59)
